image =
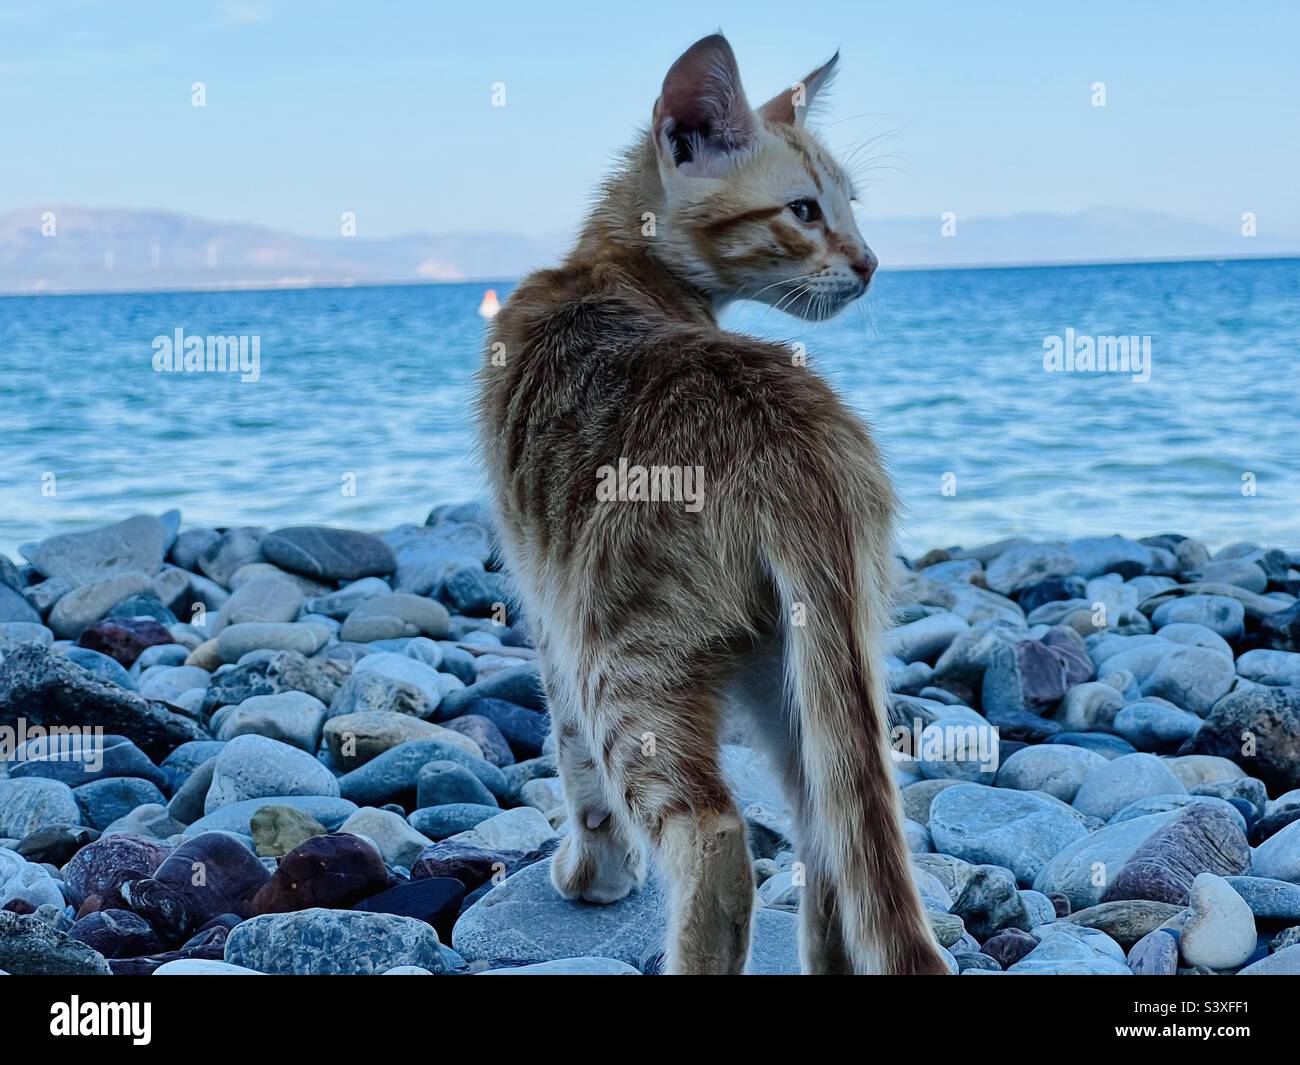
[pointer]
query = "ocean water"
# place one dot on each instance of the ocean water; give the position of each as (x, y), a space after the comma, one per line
(361, 413)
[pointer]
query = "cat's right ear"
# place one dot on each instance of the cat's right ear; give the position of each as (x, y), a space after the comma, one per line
(702, 121)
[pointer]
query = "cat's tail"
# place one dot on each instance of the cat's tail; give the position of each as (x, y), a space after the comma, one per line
(832, 580)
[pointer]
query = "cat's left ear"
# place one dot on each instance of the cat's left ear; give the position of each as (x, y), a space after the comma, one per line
(702, 122)
(790, 108)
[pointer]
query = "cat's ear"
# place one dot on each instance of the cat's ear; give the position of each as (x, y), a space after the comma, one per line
(790, 108)
(702, 121)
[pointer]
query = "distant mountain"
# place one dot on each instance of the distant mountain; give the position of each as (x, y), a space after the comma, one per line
(107, 250)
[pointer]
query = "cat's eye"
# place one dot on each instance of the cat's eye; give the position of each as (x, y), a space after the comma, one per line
(806, 210)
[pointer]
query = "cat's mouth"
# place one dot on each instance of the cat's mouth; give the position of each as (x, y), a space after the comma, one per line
(817, 303)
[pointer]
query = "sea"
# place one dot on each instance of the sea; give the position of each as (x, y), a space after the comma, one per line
(1038, 401)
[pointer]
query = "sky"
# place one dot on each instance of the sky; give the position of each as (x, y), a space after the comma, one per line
(385, 109)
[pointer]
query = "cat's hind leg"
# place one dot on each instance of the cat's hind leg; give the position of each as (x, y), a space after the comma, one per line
(660, 749)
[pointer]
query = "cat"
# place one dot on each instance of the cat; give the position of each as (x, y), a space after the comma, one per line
(649, 614)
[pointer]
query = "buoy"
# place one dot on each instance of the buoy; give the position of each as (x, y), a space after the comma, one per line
(490, 305)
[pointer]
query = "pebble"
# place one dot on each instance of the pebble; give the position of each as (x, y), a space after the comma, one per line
(1110, 787)
(294, 718)
(1155, 954)
(1057, 769)
(440, 783)
(1155, 727)
(30, 947)
(1278, 857)
(356, 738)
(277, 829)
(264, 600)
(329, 554)
(133, 545)
(333, 871)
(395, 616)
(1271, 716)
(1019, 830)
(398, 842)
(1082, 869)
(1219, 928)
(251, 767)
(324, 942)
(239, 639)
(393, 775)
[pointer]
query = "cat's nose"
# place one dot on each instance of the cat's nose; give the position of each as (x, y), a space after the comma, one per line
(865, 264)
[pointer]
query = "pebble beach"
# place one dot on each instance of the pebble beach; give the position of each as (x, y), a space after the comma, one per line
(311, 750)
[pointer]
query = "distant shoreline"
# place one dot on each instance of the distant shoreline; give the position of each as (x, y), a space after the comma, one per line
(297, 286)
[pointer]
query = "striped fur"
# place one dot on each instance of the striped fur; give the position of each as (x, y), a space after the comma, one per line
(650, 616)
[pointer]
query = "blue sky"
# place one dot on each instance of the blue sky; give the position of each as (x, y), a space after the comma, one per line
(384, 108)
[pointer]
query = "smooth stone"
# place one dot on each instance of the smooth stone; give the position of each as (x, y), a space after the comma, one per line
(925, 639)
(409, 672)
(170, 683)
(26, 882)
(186, 804)
(1024, 565)
(1056, 769)
(1219, 929)
(150, 606)
(441, 822)
(149, 819)
(276, 830)
(1095, 555)
(123, 639)
(523, 920)
(1125, 921)
(238, 816)
(54, 844)
(116, 934)
(322, 942)
(1063, 953)
(102, 802)
(35, 802)
(990, 902)
(440, 783)
(83, 606)
(1109, 747)
(1277, 858)
(394, 616)
(524, 730)
(1193, 678)
(433, 900)
(1089, 706)
(16, 610)
(1274, 900)
(521, 829)
(101, 666)
(395, 773)
(357, 738)
(1009, 946)
(1110, 787)
(428, 555)
(1155, 804)
(294, 718)
(1275, 668)
(329, 554)
(521, 685)
(78, 759)
(1197, 770)
(333, 871)
(98, 870)
(918, 797)
(251, 767)
(491, 744)
(397, 841)
(1154, 727)
(222, 558)
(203, 967)
(568, 967)
(1283, 963)
(239, 639)
(211, 874)
(340, 604)
(1018, 830)
(1155, 954)
(1218, 613)
(1082, 870)
(265, 600)
(134, 545)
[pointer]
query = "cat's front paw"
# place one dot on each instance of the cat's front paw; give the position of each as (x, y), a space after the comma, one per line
(595, 868)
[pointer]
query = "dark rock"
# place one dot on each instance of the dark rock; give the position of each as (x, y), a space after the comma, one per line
(989, 902)
(1021, 725)
(123, 638)
(521, 685)
(116, 934)
(440, 783)
(1281, 631)
(467, 863)
(392, 776)
(1271, 824)
(329, 554)
(1026, 676)
(1204, 838)
(55, 844)
(1050, 590)
(1060, 903)
(525, 730)
(488, 737)
(474, 591)
(433, 900)
(331, 871)
(1009, 946)
(30, 947)
(1271, 717)
(97, 871)
(78, 759)
(104, 801)
(1104, 744)
(209, 875)
(46, 689)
